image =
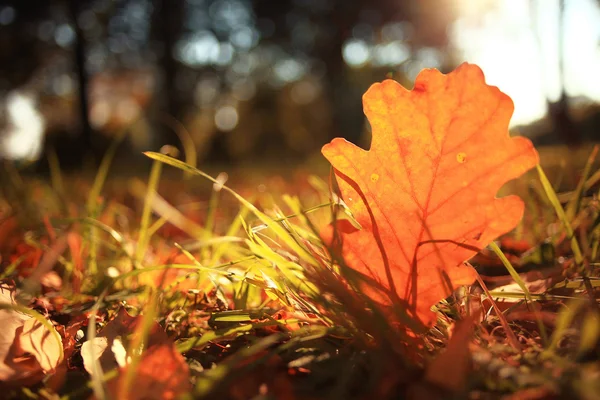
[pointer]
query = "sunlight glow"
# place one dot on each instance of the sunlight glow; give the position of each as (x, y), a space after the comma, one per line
(516, 44)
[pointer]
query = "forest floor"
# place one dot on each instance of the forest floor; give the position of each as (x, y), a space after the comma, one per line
(175, 286)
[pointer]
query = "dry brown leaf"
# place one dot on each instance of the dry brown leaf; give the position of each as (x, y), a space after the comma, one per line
(91, 350)
(37, 340)
(451, 368)
(162, 372)
(28, 350)
(10, 322)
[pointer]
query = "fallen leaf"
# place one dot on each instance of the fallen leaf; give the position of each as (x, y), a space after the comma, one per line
(28, 349)
(450, 370)
(10, 322)
(162, 372)
(424, 194)
(447, 375)
(51, 281)
(121, 325)
(38, 341)
(92, 350)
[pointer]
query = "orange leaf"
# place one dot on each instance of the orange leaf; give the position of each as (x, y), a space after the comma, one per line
(162, 374)
(424, 193)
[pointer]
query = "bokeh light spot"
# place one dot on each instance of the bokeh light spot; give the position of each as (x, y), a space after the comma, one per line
(226, 118)
(7, 15)
(356, 52)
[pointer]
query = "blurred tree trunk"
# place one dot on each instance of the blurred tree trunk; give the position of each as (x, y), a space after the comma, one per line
(79, 53)
(167, 23)
(562, 121)
(559, 110)
(345, 96)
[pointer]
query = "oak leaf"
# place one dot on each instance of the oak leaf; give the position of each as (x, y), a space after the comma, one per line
(425, 192)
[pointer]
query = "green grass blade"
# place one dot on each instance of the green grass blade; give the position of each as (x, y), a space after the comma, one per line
(233, 229)
(186, 345)
(514, 274)
(591, 181)
(274, 226)
(187, 142)
(590, 332)
(560, 212)
(166, 211)
(102, 174)
(144, 238)
(55, 173)
(565, 317)
(98, 378)
(534, 296)
(213, 204)
(12, 267)
(92, 209)
(138, 344)
(218, 269)
(574, 203)
(299, 213)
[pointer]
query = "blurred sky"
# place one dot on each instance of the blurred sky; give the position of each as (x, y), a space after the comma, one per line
(516, 44)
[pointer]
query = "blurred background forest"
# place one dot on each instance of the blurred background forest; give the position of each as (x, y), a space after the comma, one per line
(273, 80)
